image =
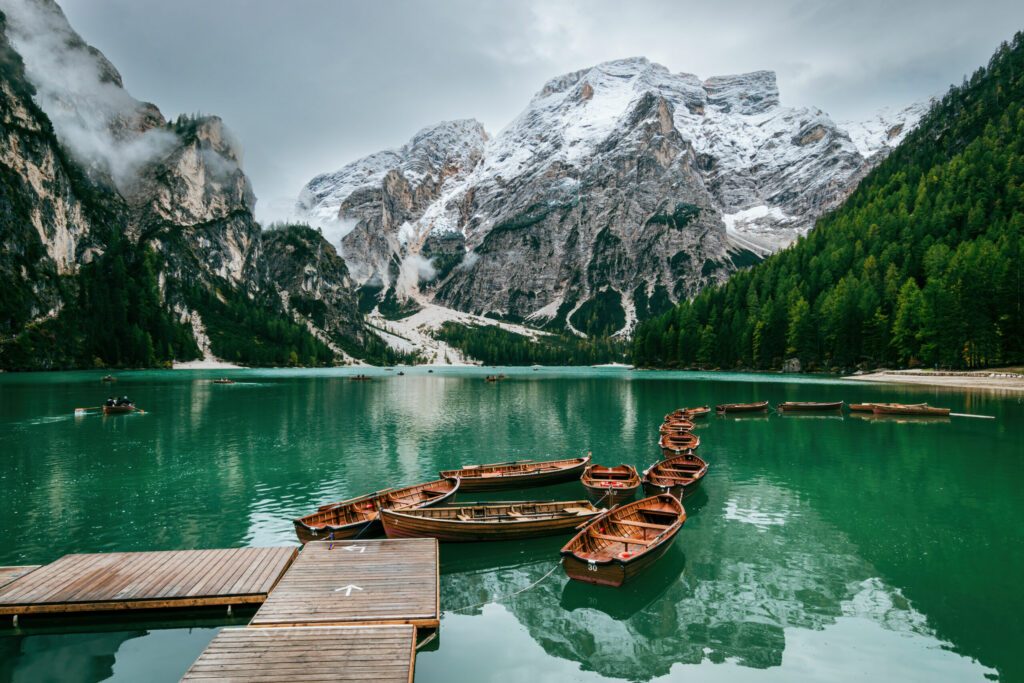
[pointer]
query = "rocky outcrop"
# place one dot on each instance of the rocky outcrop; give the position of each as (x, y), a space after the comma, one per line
(311, 281)
(619, 190)
(86, 167)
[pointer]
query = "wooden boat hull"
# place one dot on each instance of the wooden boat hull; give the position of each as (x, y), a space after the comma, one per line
(742, 407)
(677, 445)
(614, 573)
(676, 426)
(919, 411)
(470, 483)
(320, 525)
(806, 406)
(679, 491)
(118, 410)
(688, 413)
(658, 478)
(368, 529)
(610, 486)
(399, 525)
(601, 554)
(870, 407)
(610, 496)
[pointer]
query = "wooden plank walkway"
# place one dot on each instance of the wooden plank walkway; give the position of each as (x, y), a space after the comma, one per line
(351, 582)
(8, 574)
(383, 654)
(147, 580)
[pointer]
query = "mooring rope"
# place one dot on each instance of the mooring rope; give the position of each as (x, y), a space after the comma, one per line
(510, 595)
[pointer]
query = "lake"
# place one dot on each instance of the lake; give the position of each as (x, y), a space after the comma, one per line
(818, 548)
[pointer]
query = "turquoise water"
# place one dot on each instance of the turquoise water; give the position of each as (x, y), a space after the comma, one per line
(819, 548)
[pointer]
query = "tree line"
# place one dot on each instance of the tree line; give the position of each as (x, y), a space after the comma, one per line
(493, 345)
(922, 265)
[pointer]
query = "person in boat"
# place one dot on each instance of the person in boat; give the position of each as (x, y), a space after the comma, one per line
(123, 401)
(110, 402)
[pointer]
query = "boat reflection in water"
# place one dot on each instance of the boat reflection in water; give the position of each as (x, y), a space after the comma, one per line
(624, 602)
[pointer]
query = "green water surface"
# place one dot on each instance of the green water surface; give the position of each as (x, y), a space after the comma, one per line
(819, 548)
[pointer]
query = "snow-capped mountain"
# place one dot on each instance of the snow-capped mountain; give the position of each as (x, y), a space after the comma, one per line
(618, 190)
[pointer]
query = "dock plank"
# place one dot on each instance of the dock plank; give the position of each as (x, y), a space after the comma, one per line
(9, 574)
(321, 653)
(146, 580)
(352, 582)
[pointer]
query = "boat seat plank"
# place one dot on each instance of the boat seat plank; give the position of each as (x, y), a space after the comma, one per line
(621, 539)
(656, 511)
(643, 525)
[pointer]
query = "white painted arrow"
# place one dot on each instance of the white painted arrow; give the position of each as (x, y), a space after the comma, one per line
(348, 589)
(355, 548)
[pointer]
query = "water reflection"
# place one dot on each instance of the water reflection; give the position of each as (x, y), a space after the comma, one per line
(731, 590)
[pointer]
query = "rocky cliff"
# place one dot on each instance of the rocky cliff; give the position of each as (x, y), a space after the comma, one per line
(134, 236)
(618, 190)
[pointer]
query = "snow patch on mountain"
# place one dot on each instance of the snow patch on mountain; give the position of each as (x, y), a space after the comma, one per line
(886, 129)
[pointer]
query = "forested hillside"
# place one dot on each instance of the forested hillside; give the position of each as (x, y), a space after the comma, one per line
(920, 266)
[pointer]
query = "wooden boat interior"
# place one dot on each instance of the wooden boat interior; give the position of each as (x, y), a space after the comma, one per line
(504, 469)
(620, 473)
(367, 508)
(630, 529)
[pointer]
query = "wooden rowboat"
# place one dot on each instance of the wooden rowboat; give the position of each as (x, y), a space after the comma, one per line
(223, 380)
(742, 407)
(678, 443)
(517, 474)
(610, 485)
(870, 407)
(619, 544)
(679, 476)
(361, 516)
(903, 409)
(503, 521)
(793, 406)
(119, 410)
(680, 425)
(688, 413)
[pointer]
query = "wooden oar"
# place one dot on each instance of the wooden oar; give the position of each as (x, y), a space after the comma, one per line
(82, 411)
(983, 417)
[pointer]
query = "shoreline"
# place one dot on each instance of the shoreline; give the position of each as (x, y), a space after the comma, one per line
(206, 364)
(1002, 381)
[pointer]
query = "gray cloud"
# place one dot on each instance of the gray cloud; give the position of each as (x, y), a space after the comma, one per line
(100, 122)
(308, 86)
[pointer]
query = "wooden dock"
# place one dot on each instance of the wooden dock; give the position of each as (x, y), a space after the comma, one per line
(358, 582)
(337, 610)
(322, 653)
(172, 579)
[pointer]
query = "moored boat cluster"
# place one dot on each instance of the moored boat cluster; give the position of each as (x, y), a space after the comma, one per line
(616, 536)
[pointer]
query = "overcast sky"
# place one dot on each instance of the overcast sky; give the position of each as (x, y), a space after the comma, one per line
(308, 85)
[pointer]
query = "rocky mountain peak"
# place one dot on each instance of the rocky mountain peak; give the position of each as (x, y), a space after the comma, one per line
(747, 94)
(619, 189)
